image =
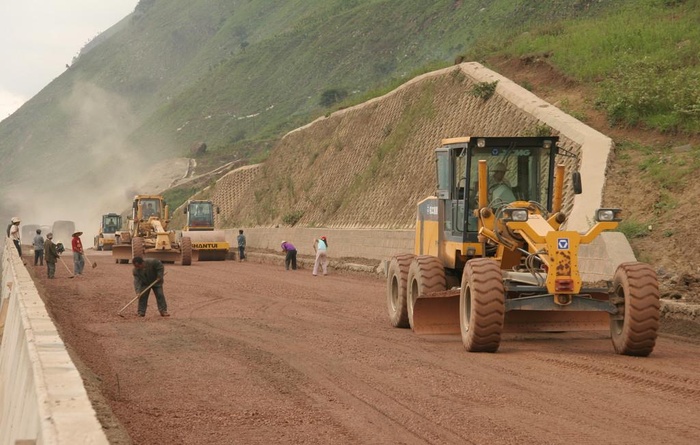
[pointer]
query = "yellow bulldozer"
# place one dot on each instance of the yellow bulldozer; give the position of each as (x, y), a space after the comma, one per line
(148, 235)
(208, 243)
(491, 256)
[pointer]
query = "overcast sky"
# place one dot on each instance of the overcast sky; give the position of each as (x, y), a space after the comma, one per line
(39, 37)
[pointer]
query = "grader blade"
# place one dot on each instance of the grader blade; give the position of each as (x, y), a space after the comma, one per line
(436, 313)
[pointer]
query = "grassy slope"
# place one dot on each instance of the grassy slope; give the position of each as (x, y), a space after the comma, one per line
(182, 65)
(238, 75)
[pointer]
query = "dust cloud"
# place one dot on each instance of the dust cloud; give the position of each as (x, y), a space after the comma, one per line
(104, 171)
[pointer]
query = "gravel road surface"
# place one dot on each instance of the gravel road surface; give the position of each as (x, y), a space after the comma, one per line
(254, 354)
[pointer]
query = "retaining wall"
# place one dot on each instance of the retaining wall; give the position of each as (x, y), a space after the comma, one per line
(597, 261)
(42, 397)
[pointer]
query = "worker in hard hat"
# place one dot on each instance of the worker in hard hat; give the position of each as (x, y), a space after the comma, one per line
(500, 191)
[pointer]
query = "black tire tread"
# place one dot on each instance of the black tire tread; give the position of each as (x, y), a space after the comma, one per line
(429, 273)
(485, 282)
(641, 321)
(398, 270)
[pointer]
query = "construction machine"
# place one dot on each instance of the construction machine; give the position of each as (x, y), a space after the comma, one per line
(105, 238)
(491, 255)
(208, 243)
(148, 235)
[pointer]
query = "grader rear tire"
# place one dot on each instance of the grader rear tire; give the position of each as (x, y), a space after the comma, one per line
(137, 247)
(425, 275)
(636, 292)
(397, 279)
(186, 247)
(482, 306)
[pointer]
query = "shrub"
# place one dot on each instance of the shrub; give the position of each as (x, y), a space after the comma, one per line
(484, 90)
(293, 217)
(330, 97)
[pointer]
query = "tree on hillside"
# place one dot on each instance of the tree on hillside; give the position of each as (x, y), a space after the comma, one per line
(329, 97)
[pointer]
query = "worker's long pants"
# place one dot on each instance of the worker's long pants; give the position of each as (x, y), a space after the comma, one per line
(51, 269)
(78, 263)
(321, 259)
(160, 300)
(290, 258)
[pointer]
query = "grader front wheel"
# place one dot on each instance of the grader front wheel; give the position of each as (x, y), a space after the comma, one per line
(397, 279)
(636, 294)
(481, 305)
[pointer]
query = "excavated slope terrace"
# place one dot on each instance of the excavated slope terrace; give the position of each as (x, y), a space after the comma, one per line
(369, 165)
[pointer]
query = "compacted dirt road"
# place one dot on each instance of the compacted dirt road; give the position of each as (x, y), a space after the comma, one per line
(254, 354)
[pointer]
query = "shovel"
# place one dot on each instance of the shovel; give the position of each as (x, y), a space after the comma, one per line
(64, 263)
(136, 297)
(92, 264)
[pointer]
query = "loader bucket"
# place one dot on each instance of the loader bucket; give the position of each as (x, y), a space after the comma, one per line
(436, 313)
(121, 253)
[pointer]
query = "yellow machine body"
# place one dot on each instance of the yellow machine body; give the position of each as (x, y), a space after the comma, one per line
(148, 235)
(208, 243)
(490, 255)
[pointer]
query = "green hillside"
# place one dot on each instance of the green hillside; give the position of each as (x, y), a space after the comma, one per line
(238, 75)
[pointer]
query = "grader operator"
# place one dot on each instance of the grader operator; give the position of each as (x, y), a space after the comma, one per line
(491, 256)
(148, 234)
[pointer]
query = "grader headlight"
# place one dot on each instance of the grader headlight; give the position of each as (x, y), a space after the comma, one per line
(603, 215)
(481, 142)
(518, 215)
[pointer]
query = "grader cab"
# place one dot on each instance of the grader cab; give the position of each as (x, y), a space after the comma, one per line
(491, 256)
(148, 234)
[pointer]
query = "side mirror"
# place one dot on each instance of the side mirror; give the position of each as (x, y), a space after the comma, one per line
(576, 179)
(218, 210)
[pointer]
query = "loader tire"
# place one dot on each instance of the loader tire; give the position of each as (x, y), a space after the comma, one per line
(397, 279)
(425, 275)
(137, 247)
(482, 306)
(636, 295)
(186, 247)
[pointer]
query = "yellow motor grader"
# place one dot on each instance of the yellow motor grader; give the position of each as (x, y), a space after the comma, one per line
(491, 256)
(148, 235)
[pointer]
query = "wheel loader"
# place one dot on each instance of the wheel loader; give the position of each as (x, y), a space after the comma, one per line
(208, 243)
(491, 256)
(109, 226)
(148, 235)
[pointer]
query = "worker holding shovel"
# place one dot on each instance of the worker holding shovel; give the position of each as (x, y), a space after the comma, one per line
(78, 254)
(147, 272)
(51, 255)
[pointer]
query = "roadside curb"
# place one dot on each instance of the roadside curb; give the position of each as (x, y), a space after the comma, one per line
(306, 262)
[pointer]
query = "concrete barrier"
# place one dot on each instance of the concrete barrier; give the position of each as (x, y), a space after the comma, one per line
(597, 261)
(42, 397)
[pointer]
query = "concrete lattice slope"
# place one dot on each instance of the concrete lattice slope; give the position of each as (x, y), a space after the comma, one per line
(368, 166)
